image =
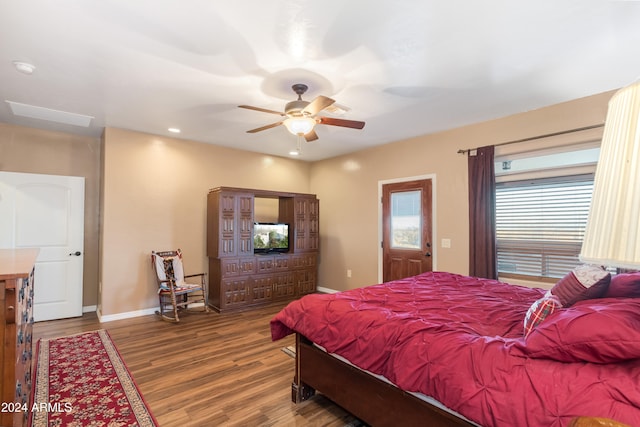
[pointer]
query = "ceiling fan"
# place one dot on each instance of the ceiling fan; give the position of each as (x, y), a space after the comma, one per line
(301, 116)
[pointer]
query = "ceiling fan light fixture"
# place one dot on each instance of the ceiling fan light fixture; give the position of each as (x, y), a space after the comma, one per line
(300, 125)
(300, 116)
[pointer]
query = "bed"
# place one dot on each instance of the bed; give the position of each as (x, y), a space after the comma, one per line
(449, 350)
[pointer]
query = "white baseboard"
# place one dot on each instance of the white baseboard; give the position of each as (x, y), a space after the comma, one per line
(127, 315)
(326, 290)
(89, 308)
(130, 314)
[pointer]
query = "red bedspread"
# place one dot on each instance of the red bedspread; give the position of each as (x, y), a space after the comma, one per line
(459, 340)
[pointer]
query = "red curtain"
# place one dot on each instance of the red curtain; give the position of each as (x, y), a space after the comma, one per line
(482, 214)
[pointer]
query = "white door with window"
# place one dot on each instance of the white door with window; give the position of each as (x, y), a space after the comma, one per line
(47, 212)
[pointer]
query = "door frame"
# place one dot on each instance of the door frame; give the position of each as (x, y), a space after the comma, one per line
(434, 239)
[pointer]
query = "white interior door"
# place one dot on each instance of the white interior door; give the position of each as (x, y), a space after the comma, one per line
(47, 212)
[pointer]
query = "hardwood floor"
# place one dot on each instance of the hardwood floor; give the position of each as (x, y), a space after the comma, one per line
(209, 369)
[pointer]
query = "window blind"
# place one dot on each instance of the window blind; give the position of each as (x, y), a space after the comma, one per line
(540, 224)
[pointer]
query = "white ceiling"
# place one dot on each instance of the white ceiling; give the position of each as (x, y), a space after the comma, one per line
(405, 67)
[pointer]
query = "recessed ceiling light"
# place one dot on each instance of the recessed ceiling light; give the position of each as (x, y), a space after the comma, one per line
(174, 130)
(294, 153)
(24, 67)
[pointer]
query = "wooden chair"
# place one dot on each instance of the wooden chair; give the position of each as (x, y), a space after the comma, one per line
(174, 293)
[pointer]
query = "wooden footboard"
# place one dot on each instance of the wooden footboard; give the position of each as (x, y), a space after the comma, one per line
(370, 399)
(374, 401)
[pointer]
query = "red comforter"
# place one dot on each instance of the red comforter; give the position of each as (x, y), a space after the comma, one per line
(460, 340)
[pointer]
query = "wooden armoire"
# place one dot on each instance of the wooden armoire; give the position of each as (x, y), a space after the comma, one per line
(240, 279)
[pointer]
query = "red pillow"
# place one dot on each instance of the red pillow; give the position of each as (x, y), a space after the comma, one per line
(584, 282)
(624, 285)
(595, 330)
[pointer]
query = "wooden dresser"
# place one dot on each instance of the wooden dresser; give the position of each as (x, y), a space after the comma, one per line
(16, 321)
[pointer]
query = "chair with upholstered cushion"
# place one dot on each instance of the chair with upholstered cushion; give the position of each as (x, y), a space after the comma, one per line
(174, 292)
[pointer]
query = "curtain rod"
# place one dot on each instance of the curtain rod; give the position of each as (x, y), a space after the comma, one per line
(537, 137)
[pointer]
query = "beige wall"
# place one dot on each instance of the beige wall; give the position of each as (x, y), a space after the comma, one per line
(154, 195)
(30, 150)
(347, 187)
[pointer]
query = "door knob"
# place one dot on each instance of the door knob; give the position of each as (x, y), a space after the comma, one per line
(428, 254)
(76, 253)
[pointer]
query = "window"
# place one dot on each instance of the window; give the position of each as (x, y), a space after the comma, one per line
(406, 227)
(540, 225)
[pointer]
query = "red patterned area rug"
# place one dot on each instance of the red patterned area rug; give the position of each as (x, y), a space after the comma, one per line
(81, 380)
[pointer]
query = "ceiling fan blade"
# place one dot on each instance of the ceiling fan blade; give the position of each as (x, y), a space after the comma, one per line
(311, 135)
(317, 105)
(264, 110)
(337, 109)
(272, 125)
(354, 124)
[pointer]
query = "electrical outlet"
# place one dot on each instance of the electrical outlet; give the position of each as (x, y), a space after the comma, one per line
(446, 243)
(348, 273)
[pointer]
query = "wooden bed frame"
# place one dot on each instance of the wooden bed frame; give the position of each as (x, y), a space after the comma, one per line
(372, 400)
